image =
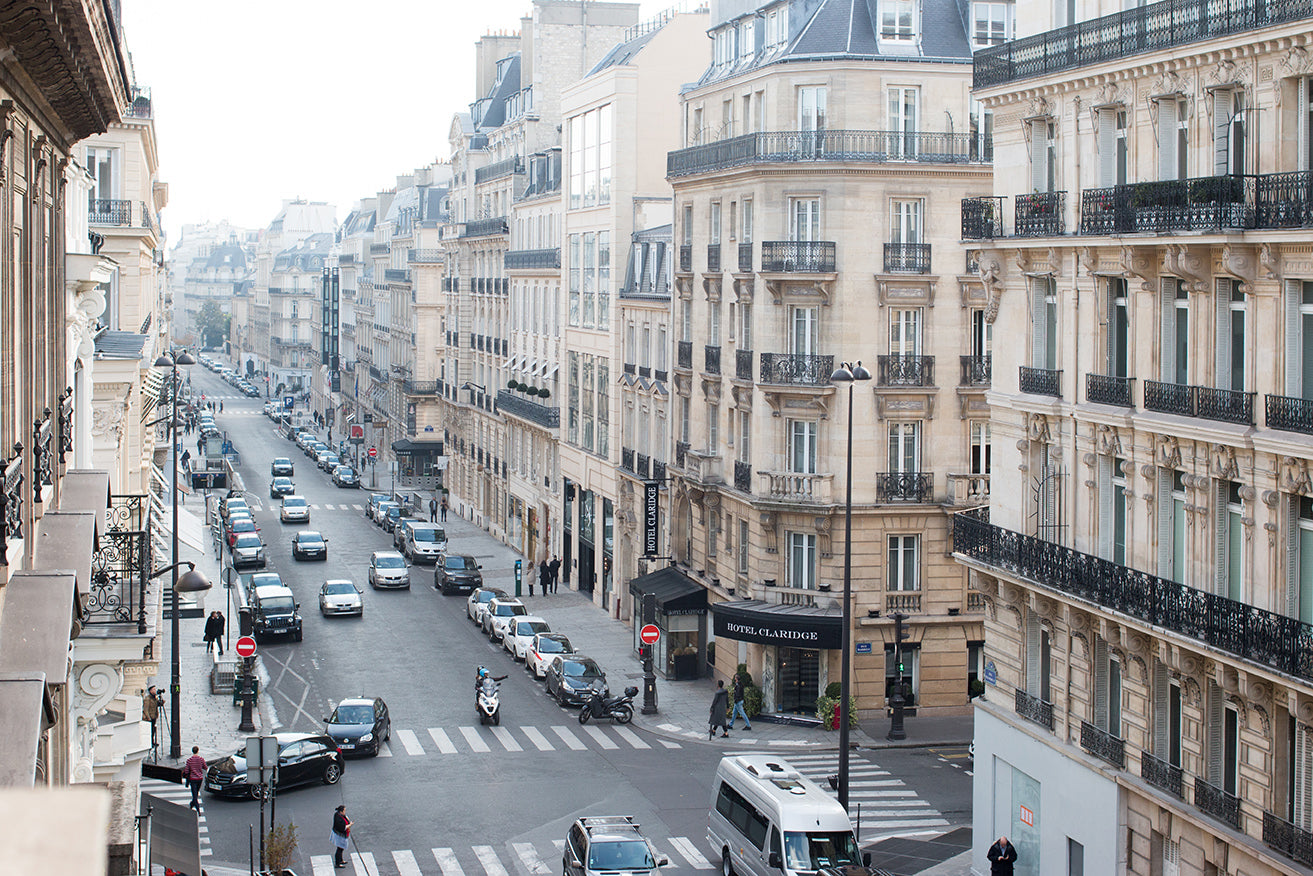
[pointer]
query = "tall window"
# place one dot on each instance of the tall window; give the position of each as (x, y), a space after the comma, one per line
(1173, 138)
(745, 327)
(686, 226)
(982, 132)
(713, 323)
(103, 164)
(1299, 559)
(747, 41)
(904, 447)
(590, 158)
(714, 231)
(1044, 323)
(777, 26)
(980, 447)
(1119, 329)
(589, 391)
(1228, 131)
(802, 446)
(905, 332)
(1166, 715)
(1229, 541)
(802, 560)
(804, 333)
(604, 280)
(1112, 146)
(1223, 740)
(745, 217)
(905, 222)
(572, 381)
(1299, 339)
(805, 219)
(685, 415)
(982, 334)
(743, 547)
(1043, 155)
(991, 23)
(1171, 525)
(576, 271)
(812, 108)
(744, 436)
(1039, 652)
(1107, 689)
(713, 429)
(1231, 341)
(1113, 509)
(904, 120)
(1174, 348)
(898, 20)
(727, 119)
(904, 562)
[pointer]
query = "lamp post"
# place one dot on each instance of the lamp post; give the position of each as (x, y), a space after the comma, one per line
(195, 580)
(847, 373)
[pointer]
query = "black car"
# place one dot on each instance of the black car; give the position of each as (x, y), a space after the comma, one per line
(303, 758)
(570, 676)
(345, 476)
(309, 545)
(359, 725)
(457, 573)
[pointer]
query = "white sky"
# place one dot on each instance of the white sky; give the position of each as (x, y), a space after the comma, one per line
(327, 100)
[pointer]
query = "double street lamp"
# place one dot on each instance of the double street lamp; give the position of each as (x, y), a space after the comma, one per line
(847, 373)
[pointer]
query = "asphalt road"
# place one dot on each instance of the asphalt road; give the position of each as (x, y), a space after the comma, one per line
(451, 796)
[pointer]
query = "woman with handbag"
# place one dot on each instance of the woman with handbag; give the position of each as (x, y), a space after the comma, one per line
(341, 835)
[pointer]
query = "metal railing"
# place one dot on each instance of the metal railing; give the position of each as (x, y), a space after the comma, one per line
(907, 258)
(1212, 800)
(1170, 205)
(1204, 402)
(681, 453)
(742, 364)
(626, 459)
(1034, 709)
(745, 258)
(905, 370)
(380, 248)
(711, 359)
(109, 212)
(11, 503)
(1293, 842)
(798, 256)
(713, 258)
(1039, 214)
(685, 258)
(976, 370)
(742, 476)
(1284, 200)
(1105, 389)
(1040, 381)
(1251, 634)
(1103, 745)
(422, 387)
(396, 275)
(1289, 413)
(904, 486)
(43, 456)
(641, 465)
(786, 147)
(658, 471)
(425, 257)
(796, 369)
(684, 355)
(1162, 775)
(982, 218)
(485, 227)
(546, 416)
(499, 169)
(1125, 34)
(531, 259)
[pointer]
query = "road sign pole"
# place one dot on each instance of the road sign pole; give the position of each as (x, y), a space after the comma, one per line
(649, 670)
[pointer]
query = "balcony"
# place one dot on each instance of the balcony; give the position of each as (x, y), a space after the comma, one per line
(796, 369)
(703, 467)
(793, 147)
(681, 453)
(711, 359)
(904, 486)
(686, 258)
(1201, 204)
(907, 258)
(499, 169)
(1289, 413)
(904, 601)
(532, 259)
(396, 275)
(905, 370)
(1034, 709)
(106, 212)
(375, 372)
(422, 387)
(626, 459)
(787, 486)
(1249, 634)
(1039, 214)
(742, 476)
(485, 227)
(518, 406)
(1284, 200)
(982, 218)
(968, 489)
(1040, 381)
(1162, 775)
(713, 258)
(745, 258)
(1212, 800)
(658, 471)
(1122, 35)
(1204, 402)
(642, 462)
(376, 249)
(798, 256)
(425, 257)
(684, 355)
(1293, 842)
(976, 370)
(661, 374)
(1105, 389)
(742, 364)
(1103, 745)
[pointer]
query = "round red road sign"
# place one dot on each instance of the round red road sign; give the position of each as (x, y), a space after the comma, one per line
(245, 646)
(373, 452)
(649, 634)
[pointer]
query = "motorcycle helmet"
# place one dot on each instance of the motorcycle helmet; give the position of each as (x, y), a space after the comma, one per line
(483, 672)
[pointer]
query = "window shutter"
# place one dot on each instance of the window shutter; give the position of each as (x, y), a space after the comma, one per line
(1038, 322)
(1110, 320)
(1161, 709)
(1165, 523)
(1222, 349)
(1107, 147)
(1216, 733)
(1220, 540)
(1303, 767)
(1032, 655)
(1105, 506)
(1039, 155)
(1221, 126)
(1167, 339)
(1100, 692)
(1301, 123)
(1294, 347)
(1292, 557)
(1167, 138)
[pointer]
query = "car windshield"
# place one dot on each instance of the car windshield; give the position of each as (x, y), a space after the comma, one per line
(277, 603)
(244, 525)
(423, 534)
(530, 628)
(337, 588)
(581, 669)
(394, 511)
(291, 502)
(389, 563)
(353, 715)
(819, 849)
(554, 646)
(488, 595)
(309, 538)
(344, 471)
(260, 579)
(248, 540)
(461, 563)
(620, 855)
(511, 610)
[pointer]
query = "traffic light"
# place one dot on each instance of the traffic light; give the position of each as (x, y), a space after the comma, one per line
(900, 635)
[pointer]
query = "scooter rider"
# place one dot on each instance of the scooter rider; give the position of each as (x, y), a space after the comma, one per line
(478, 681)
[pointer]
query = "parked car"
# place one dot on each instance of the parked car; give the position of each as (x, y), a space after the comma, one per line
(309, 545)
(240, 526)
(345, 476)
(497, 617)
(281, 486)
(329, 461)
(231, 504)
(569, 677)
(477, 604)
(295, 509)
(340, 596)
(282, 466)
(381, 510)
(372, 503)
(388, 569)
(303, 758)
(545, 648)
(248, 551)
(359, 725)
(457, 573)
(520, 632)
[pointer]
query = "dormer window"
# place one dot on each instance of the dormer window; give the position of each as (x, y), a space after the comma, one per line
(898, 20)
(747, 37)
(777, 26)
(991, 23)
(724, 47)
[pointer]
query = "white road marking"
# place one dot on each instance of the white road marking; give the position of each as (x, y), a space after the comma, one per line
(411, 744)
(383, 750)
(406, 863)
(631, 737)
(668, 743)
(322, 865)
(504, 736)
(488, 858)
(923, 822)
(529, 857)
(446, 859)
(569, 738)
(364, 864)
(472, 737)
(537, 738)
(602, 739)
(690, 852)
(444, 743)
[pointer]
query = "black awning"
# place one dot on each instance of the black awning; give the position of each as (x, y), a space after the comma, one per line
(38, 623)
(675, 592)
(795, 626)
(25, 713)
(412, 446)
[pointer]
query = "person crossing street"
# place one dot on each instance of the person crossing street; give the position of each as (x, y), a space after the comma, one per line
(193, 772)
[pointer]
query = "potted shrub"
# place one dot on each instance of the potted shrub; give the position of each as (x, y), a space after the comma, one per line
(511, 384)
(544, 392)
(280, 849)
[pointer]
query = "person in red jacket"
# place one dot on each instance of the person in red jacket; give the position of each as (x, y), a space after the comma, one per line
(341, 835)
(193, 773)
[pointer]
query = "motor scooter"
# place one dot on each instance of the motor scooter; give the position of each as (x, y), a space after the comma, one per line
(600, 704)
(488, 701)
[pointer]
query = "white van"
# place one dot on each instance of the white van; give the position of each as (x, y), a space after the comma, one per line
(423, 542)
(767, 819)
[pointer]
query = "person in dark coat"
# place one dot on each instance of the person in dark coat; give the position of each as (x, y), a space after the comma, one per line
(1002, 855)
(214, 631)
(545, 576)
(341, 835)
(433, 510)
(555, 566)
(719, 711)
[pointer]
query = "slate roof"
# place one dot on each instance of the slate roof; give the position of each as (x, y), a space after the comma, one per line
(623, 53)
(431, 204)
(359, 222)
(308, 255)
(120, 345)
(228, 255)
(490, 111)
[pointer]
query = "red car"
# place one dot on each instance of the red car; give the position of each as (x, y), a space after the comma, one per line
(242, 524)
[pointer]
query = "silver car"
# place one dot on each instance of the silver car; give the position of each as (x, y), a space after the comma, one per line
(340, 596)
(388, 569)
(295, 509)
(248, 550)
(499, 614)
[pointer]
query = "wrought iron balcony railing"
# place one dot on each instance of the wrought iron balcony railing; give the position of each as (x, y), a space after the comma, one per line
(1040, 381)
(745, 258)
(658, 471)
(1293, 842)
(531, 259)
(396, 275)
(685, 258)
(1204, 402)
(43, 456)
(711, 359)
(904, 486)
(798, 256)
(109, 212)
(1121, 35)
(422, 387)
(485, 227)
(1103, 744)
(796, 369)
(1213, 801)
(1253, 635)
(1039, 214)
(742, 364)
(642, 463)
(380, 248)
(684, 355)
(905, 370)
(982, 218)
(546, 416)
(976, 370)
(626, 459)
(1284, 200)
(786, 147)
(11, 504)
(1105, 389)
(713, 258)
(1034, 709)
(1170, 205)
(1162, 775)
(681, 453)
(907, 258)
(742, 476)
(499, 169)
(424, 256)
(1289, 413)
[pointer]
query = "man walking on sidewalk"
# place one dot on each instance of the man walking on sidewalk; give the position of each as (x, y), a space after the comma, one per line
(555, 566)
(545, 576)
(738, 705)
(193, 771)
(433, 510)
(444, 508)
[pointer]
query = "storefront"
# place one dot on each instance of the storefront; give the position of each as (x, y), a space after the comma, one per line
(420, 463)
(681, 615)
(792, 666)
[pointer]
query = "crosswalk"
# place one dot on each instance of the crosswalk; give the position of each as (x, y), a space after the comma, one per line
(257, 503)
(484, 740)
(181, 795)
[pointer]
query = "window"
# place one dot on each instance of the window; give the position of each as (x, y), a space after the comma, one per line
(1299, 339)
(1166, 715)
(747, 41)
(802, 560)
(1231, 343)
(1175, 341)
(777, 26)
(743, 547)
(575, 271)
(727, 119)
(1107, 689)
(589, 392)
(661, 348)
(1229, 541)
(745, 327)
(1112, 146)
(1173, 138)
(713, 429)
(980, 447)
(1228, 131)
(982, 334)
(1038, 659)
(714, 231)
(1075, 858)
(904, 113)
(904, 557)
(1299, 558)
(745, 217)
(905, 332)
(904, 447)
(687, 225)
(745, 436)
(686, 320)
(982, 132)
(723, 48)
(685, 414)
(604, 410)
(898, 20)
(760, 102)
(572, 384)
(1113, 509)
(1044, 323)
(103, 165)
(747, 113)
(1223, 742)
(992, 24)
(1043, 155)
(804, 335)
(905, 222)
(811, 108)
(713, 323)
(1119, 329)
(805, 219)
(802, 446)
(590, 158)
(1171, 525)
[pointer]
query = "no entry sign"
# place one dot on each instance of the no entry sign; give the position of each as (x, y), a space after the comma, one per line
(245, 646)
(373, 452)
(649, 634)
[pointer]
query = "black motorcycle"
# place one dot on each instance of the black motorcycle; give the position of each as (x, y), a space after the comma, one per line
(600, 704)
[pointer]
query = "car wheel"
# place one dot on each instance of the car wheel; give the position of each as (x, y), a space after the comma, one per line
(726, 865)
(296, 637)
(332, 773)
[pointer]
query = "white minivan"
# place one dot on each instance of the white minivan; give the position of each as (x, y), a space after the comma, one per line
(767, 819)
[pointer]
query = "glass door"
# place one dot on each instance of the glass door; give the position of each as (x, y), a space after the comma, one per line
(799, 674)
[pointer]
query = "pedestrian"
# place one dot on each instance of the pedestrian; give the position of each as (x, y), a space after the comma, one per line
(555, 566)
(545, 576)
(186, 460)
(193, 771)
(214, 631)
(719, 710)
(433, 510)
(341, 835)
(200, 444)
(150, 710)
(444, 508)
(531, 587)
(221, 407)
(738, 704)
(1002, 855)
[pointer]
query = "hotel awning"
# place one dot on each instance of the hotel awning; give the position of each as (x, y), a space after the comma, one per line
(793, 626)
(675, 592)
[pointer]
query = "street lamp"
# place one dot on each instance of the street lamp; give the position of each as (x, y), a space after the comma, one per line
(849, 374)
(190, 582)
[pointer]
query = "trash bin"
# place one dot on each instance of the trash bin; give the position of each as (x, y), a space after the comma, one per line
(239, 690)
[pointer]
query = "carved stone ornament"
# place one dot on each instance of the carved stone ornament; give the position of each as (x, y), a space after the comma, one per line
(1037, 427)
(1186, 263)
(1137, 264)
(1106, 95)
(1038, 107)
(1224, 462)
(822, 525)
(1296, 61)
(1269, 263)
(1089, 259)
(1295, 476)
(1238, 261)
(1227, 72)
(107, 419)
(97, 685)
(991, 277)
(1107, 440)
(1169, 452)
(1168, 83)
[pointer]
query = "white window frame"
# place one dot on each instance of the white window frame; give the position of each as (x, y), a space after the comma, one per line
(991, 23)
(802, 437)
(904, 564)
(802, 560)
(899, 21)
(904, 446)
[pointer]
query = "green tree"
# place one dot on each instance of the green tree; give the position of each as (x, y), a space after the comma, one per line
(212, 324)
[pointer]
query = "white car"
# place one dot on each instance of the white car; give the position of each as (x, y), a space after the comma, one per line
(477, 604)
(545, 648)
(388, 569)
(498, 615)
(340, 596)
(295, 509)
(520, 632)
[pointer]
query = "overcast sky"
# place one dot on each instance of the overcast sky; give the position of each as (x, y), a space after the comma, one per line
(326, 100)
